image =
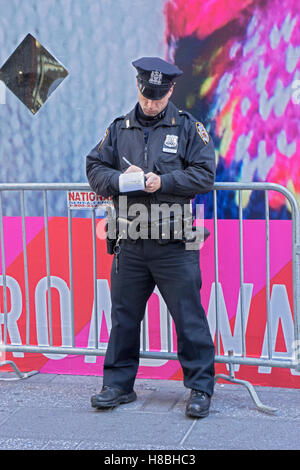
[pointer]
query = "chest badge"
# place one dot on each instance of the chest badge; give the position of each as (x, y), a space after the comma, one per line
(171, 144)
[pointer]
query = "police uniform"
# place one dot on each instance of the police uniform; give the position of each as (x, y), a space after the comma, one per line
(177, 147)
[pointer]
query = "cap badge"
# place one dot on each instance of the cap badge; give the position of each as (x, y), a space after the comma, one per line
(155, 78)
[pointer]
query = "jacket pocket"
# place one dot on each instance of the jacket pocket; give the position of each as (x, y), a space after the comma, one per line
(168, 162)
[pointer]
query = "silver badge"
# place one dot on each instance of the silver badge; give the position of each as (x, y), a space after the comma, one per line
(155, 78)
(170, 143)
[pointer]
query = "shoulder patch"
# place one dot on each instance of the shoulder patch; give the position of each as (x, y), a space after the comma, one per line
(103, 140)
(202, 132)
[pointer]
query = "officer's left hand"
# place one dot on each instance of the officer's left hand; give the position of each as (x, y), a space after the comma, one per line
(153, 182)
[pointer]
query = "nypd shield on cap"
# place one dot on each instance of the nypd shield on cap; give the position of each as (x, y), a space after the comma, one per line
(155, 76)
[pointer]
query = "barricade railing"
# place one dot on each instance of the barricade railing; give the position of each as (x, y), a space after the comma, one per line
(95, 348)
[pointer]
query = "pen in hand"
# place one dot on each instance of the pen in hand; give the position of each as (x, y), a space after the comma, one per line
(125, 160)
(131, 168)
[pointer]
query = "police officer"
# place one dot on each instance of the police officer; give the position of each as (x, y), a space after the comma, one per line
(176, 155)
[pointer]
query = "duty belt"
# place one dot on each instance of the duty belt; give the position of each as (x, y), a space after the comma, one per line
(164, 230)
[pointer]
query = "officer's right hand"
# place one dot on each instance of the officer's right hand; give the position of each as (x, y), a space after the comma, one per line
(133, 169)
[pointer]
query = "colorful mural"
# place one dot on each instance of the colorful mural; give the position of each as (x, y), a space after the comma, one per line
(241, 63)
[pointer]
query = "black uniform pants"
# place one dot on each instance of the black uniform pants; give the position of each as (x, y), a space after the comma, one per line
(176, 272)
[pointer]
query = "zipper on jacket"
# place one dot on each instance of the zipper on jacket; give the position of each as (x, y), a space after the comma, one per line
(146, 155)
(146, 143)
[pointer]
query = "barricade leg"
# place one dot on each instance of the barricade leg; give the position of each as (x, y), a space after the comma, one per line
(20, 375)
(248, 385)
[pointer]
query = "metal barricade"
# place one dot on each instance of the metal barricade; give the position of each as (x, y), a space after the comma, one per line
(166, 353)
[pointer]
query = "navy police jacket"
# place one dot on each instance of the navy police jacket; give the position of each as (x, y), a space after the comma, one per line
(178, 149)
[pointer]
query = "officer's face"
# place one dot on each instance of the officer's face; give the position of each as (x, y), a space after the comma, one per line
(154, 107)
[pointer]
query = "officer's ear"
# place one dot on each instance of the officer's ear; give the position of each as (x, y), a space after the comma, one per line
(138, 86)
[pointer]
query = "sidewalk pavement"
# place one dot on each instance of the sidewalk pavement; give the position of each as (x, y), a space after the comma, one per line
(53, 412)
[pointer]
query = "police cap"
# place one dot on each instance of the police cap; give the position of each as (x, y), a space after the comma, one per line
(155, 76)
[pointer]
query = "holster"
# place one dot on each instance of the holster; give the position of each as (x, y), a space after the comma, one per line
(120, 232)
(110, 244)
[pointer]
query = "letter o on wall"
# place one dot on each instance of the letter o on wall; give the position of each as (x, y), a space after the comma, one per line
(42, 315)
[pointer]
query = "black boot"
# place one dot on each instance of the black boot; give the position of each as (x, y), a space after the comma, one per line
(198, 404)
(111, 396)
